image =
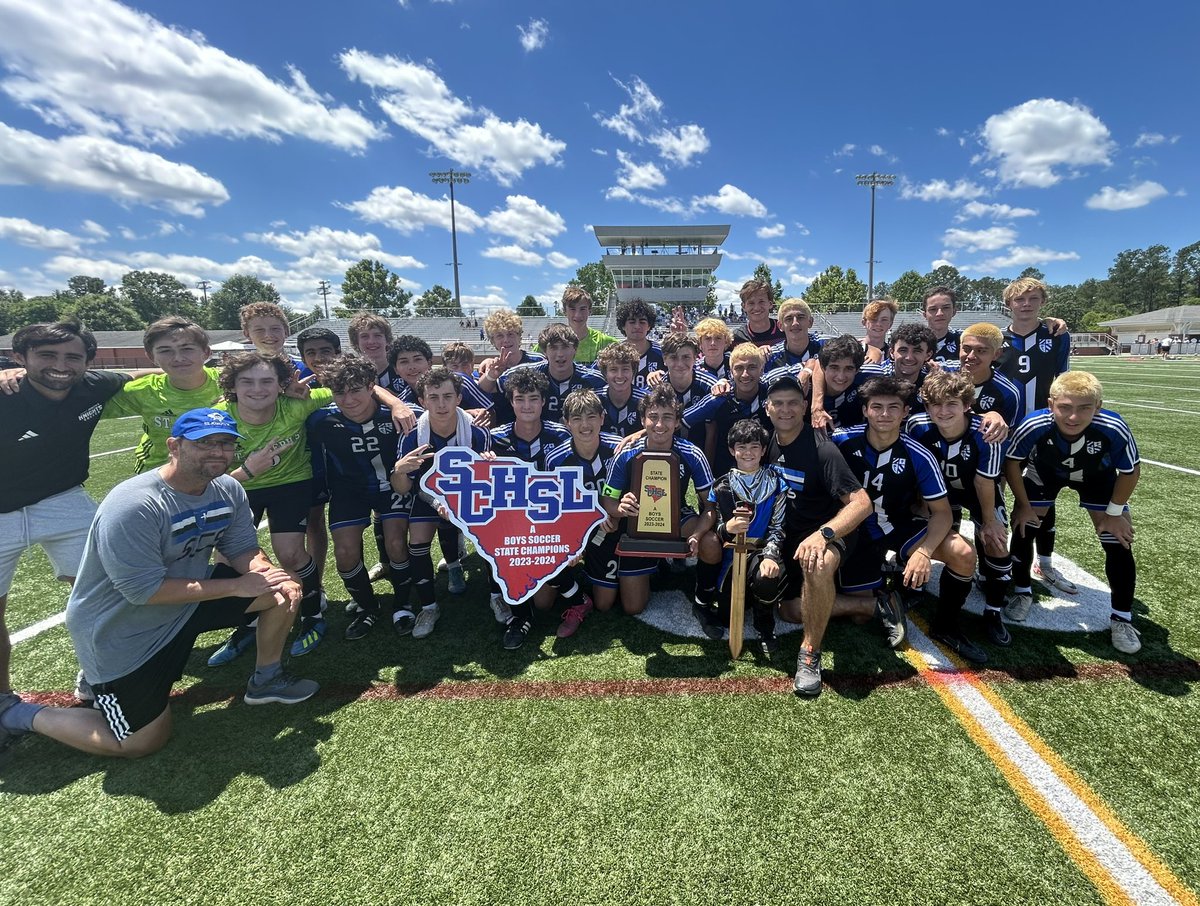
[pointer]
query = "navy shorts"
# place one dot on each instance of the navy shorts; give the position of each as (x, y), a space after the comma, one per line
(354, 507)
(863, 571)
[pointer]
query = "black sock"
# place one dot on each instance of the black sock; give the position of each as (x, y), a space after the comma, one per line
(359, 586)
(400, 583)
(420, 566)
(1020, 546)
(448, 535)
(706, 575)
(1121, 572)
(1046, 534)
(952, 595)
(310, 589)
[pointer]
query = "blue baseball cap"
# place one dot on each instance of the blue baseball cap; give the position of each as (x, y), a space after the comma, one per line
(198, 423)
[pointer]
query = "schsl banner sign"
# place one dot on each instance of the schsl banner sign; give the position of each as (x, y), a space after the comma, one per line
(528, 524)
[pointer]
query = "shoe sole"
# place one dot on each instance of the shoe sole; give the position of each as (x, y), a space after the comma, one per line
(276, 699)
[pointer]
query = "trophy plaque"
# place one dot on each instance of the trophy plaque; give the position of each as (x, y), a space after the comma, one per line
(654, 532)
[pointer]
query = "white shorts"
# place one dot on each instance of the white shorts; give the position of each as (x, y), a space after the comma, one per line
(59, 524)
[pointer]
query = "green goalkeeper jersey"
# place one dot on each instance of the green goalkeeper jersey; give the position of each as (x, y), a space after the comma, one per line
(157, 402)
(287, 430)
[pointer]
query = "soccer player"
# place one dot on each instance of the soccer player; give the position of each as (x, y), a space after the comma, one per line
(1077, 444)
(265, 324)
(911, 349)
(617, 363)
(577, 307)
(146, 591)
(635, 319)
(971, 466)
(660, 412)
(505, 330)
(751, 498)
(558, 343)
(898, 474)
(760, 328)
(877, 318)
(370, 336)
(745, 401)
(444, 423)
(594, 451)
(800, 342)
(359, 442)
(978, 348)
(839, 373)
(45, 430)
(716, 340)
(939, 305)
(1032, 357)
(459, 357)
(825, 506)
(318, 346)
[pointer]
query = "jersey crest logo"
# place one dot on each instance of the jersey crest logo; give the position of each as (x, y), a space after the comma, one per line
(527, 523)
(1045, 345)
(987, 402)
(387, 428)
(899, 465)
(1094, 447)
(966, 452)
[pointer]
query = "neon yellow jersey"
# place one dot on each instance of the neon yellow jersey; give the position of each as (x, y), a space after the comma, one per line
(287, 428)
(590, 346)
(157, 402)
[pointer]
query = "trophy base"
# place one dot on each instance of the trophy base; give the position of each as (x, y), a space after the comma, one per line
(670, 548)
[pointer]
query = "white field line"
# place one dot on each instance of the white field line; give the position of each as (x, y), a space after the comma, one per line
(111, 452)
(1107, 382)
(1155, 408)
(1167, 465)
(39, 627)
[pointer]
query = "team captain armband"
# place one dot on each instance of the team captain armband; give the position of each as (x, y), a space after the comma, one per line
(607, 490)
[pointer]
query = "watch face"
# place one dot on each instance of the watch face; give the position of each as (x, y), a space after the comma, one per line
(828, 534)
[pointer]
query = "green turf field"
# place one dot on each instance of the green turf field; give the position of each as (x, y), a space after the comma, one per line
(631, 765)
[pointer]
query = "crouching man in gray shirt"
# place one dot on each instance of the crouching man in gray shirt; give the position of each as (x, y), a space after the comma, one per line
(146, 590)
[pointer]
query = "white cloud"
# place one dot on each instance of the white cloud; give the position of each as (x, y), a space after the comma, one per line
(795, 278)
(845, 151)
(513, 254)
(102, 166)
(113, 71)
(771, 232)
(324, 242)
(1149, 139)
(941, 190)
(492, 300)
(526, 221)
(418, 100)
(731, 200)
(995, 211)
(559, 260)
(1021, 256)
(878, 150)
(600, 151)
(668, 205)
(641, 120)
(166, 228)
(533, 35)
(127, 233)
(940, 262)
(802, 229)
(979, 240)
(408, 212)
(94, 229)
(634, 176)
(1032, 139)
(1112, 199)
(25, 232)
(942, 131)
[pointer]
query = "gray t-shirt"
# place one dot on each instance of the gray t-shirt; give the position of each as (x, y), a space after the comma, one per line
(143, 533)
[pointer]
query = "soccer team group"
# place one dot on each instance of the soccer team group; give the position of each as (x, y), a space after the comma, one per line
(849, 465)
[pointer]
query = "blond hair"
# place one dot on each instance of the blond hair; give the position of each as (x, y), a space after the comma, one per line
(787, 306)
(503, 320)
(1078, 384)
(714, 327)
(989, 333)
(1022, 286)
(745, 352)
(876, 306)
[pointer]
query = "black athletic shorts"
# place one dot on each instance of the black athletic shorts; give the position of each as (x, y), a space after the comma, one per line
(864, 571)
(1094, 493)
(349, 508)
(794, 573)
(131, 702)
(286, 506)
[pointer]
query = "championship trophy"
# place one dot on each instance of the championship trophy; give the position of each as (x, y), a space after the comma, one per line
(654, 532)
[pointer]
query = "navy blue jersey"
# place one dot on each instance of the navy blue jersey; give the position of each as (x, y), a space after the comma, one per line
(888, 368)
(472, 396)
(845, 408)
(1105, 446)
(961, 459)
(817, 479)
(701, 386)
(946, 349)
(481, 442)
(580, 377)
(506, 442)
(895, 479)
(996, 394)
(717, 373)
(724, 411)
(652, 360)
(622, 420)
(1032, 363)
(358, 457)
(693, 467)
(769, 337)
(779, 356)
(596, 469)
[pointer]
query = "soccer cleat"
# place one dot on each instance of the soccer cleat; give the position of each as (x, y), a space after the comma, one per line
(768, 644)
(426, 620)
(235, 646)
(83, 690)
(516, 633)
(379, 571)
(442, 565)
(572, 617)
(807, 681)
(361, 625)
(312, 630)
(1052, 578)
(352, 608)
(403, 621)
(889, 609)
(954, 639)
(1018, 605)
(283, 690)
(500, 608)
(458, 580)
(997, 632)
(1125, 638)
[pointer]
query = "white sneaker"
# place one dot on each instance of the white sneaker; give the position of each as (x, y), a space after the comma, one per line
(83, 690)
(1017, 607)
(426, 620)
(1125, 638)
(500, 608)
(1052, 578)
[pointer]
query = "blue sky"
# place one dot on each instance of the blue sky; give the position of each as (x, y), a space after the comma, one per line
(289, 140)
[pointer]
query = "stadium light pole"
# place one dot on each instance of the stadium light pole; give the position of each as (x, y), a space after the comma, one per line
(451, 177)
(323, 290)
(874, 180)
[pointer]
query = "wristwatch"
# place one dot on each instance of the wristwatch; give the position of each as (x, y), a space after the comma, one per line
(828, 534)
